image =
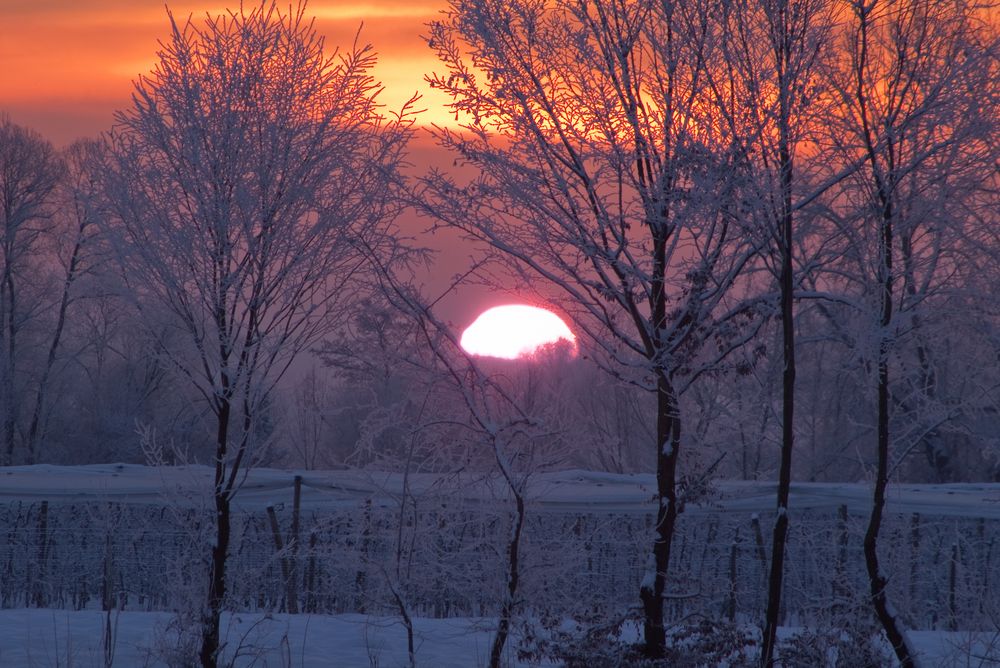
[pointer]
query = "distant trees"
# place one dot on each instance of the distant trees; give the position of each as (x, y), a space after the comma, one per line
(75, 253)
(63, 333)
(30, 170)
(242, 184)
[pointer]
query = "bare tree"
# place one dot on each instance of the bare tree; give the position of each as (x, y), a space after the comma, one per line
(599, 183)
(248, 170)
(911, 90)
(78, 201)
(764, 81)
(491, 418)
(30, 170)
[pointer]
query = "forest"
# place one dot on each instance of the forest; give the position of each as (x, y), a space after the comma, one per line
(773, 227)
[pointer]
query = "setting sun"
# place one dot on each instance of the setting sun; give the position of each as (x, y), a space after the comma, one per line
(514, 330)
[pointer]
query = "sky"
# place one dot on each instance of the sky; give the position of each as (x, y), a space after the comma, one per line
(67, 65)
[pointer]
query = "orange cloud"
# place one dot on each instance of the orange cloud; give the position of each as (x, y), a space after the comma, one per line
(65, 65)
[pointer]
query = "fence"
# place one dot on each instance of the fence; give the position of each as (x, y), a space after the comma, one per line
(447, 560)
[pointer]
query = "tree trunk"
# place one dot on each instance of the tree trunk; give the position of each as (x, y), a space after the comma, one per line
(787, 287)
(50, 360)
(780, 535)
(217, 574)
(513, 580)
(668, 432)
(10, 406)
(217, 585)
(877, 580)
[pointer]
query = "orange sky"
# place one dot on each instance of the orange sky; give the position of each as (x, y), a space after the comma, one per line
(67, 65)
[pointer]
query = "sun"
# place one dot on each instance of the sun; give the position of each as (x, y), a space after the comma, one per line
(513, 331)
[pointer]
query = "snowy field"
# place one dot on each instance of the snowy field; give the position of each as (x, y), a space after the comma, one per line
(59, 638)
(563, 491)
(41, 636)
(49, 638)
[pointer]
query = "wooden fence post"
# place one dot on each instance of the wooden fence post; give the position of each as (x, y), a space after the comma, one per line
(952, 578)
(107, 582)
(733, 549)
(840, 588)
(914, 560)
(291, 597)
(293, 575)
(43, 554)
(759, 540)
(311, 601)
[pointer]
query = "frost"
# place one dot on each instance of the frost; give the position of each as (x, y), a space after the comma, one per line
(648, 578)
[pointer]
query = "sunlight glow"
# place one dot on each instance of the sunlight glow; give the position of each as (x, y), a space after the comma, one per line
(513, 331)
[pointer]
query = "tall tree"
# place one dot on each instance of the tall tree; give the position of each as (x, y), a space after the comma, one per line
(250, 168)
(911, 91)
(30, 170)
(764, 81)
(598, 182)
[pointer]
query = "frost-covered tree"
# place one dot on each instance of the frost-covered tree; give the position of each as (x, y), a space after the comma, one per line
(601, 183)
(917, 94)
(249, 170)
(764, 81)
(481, 411)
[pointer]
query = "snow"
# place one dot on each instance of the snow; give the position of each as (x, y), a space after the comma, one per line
(562, 491)
(42, 637)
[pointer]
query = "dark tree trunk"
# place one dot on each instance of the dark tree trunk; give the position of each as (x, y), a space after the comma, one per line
(668, 432)
(884, 181)
(210, 640)
(217, 585)
(787, 289)
(50, 360)
(877, 580)
(513, 580)
(780, 535)
(10, 407)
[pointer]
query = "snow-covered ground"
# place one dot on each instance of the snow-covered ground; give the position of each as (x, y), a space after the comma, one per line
(563, 491)
(48, 638)
(32, 638)
(45, 637)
